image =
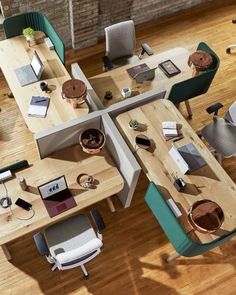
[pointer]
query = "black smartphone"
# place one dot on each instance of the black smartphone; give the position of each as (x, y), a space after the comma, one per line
(23, 204)
(143, 141)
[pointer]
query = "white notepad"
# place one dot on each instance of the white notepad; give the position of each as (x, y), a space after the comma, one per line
(38, 106)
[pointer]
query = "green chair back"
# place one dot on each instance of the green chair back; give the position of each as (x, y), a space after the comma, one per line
(196, 85)
(173, 230)
(14, 25)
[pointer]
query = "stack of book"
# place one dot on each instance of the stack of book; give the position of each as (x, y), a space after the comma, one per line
(170, 130)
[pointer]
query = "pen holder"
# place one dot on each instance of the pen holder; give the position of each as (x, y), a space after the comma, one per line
(179, 184)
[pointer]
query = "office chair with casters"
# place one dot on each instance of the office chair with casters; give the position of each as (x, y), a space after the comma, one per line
(71, 242)
(221, 132)
(228, 49)
(120, 45)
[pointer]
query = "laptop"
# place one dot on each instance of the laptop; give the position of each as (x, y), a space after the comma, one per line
(30, 73)
(192, 157)
(187, 158)
(137, 69)
(56, 196)
(146, 75)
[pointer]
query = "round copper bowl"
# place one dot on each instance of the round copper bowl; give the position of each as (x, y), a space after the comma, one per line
(206, 216)
(74, 91)
(92, 140)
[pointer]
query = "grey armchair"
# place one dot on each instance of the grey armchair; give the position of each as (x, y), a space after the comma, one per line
(120, 45)
(221, 133)
(72, 242)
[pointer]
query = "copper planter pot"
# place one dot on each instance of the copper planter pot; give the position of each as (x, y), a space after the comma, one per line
(206, 216)
(92, 140)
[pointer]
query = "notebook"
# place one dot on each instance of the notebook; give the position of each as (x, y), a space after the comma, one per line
(38, 106)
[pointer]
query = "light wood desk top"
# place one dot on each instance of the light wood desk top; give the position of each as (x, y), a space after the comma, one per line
(117, 79)
(69, 162)
(209, 182)
(15, 53)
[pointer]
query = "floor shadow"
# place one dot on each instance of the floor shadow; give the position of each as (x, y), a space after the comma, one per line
(124, 265)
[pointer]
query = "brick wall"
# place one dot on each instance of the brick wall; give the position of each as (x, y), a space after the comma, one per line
(57, 12)
(80, 23)
(84, 22)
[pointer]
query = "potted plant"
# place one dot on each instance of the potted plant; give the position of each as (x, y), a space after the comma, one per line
(29, 34)
(133, 124)
(108, 95)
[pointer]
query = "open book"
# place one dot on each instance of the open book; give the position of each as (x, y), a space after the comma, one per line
(38, 106)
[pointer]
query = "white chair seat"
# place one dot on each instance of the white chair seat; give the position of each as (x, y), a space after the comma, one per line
(69, 234)
(75, 254)
(221, 135)
(125, 60)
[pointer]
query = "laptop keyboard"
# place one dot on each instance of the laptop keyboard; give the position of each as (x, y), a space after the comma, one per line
(25, 75)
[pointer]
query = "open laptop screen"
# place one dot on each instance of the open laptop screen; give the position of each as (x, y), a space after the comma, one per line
(37, 65)
(53, 187)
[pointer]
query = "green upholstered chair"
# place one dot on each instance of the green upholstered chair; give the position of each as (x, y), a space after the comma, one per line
(14, 25)
(197, 85)
(179, 239)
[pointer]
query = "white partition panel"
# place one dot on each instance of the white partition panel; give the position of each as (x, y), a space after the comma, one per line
(92, 98)
(65, 135)
(134, 102)
(124, 159)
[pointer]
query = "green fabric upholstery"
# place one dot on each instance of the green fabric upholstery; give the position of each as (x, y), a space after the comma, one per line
(14, 25)
(15, 166)
(173, 230)
(196, 85)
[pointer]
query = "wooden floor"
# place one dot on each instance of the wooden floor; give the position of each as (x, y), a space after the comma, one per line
(133, 258)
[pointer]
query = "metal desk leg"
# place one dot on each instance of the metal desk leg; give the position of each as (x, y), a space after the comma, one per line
(172, 257)
(110, 204)
(6, 252)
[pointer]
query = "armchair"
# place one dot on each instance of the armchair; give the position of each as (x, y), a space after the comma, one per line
(180, 240)
(71, 242)
(187, 89)
(221, 132)
(120, 45)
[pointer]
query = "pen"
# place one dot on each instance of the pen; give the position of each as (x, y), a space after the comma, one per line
(40, 100)
(178, 138)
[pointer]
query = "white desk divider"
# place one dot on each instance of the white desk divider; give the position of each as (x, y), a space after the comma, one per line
(134, 102)
(67, 134)
(124, 159)
(92, 98)
(64, 135)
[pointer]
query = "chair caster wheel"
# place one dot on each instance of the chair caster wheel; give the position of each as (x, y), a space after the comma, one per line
(86, 277)
(234, 21)
(228, 50)
(10, 94)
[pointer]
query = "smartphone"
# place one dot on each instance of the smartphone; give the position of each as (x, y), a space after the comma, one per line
(23, 204)
(143, 141)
